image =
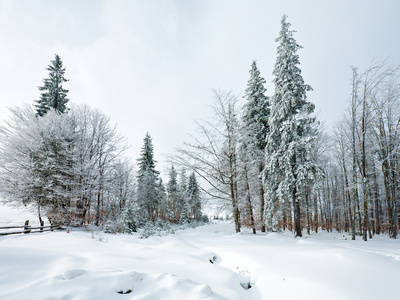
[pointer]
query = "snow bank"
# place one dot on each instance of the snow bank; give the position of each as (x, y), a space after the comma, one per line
(209, 262)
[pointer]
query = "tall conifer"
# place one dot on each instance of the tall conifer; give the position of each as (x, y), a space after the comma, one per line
(289, 169)
(147, 181)
(53, 95)
(254, 131)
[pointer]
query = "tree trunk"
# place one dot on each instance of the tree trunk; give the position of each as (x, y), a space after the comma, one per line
(377, 226)
(364, 168)
(353, 135)
(262, 201)
(296, 213)
(98, 209)
(315, 213)
(308, 214)
(248, 199)
(236, 213)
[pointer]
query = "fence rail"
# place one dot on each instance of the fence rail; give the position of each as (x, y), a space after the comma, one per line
(29, 229)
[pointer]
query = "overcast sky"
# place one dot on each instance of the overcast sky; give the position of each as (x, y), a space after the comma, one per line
(150, 65)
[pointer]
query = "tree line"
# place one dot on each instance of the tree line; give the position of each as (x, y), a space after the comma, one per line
(274, 166)
(269, 162)
(70, 162)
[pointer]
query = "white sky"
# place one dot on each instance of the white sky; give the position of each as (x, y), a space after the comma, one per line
(150, 65)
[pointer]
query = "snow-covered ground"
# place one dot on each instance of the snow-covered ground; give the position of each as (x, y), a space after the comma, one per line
(209, 262)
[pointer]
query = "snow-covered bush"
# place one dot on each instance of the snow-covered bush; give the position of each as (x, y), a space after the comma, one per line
(148, 230)
(109, 227)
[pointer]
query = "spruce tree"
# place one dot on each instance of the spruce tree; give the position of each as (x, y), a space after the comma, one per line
(53, 95)
(173, 194)
(164, 211)
(128, 219)
(182, 196)
(289, 169)
(254, 131)
(184, 216)
(256, 111)
(193, 196)
(147, 181)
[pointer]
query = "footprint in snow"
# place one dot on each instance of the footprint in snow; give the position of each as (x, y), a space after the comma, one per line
(213, 259)
(71, 274)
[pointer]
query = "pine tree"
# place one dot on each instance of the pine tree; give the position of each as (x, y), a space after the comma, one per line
(184, 216)
(164, 211)
(289, 171)
(253, 134)
(182, 196)
(256, 111)
(173, 194)
(128, 219)
(193, 195)
(147, 181)
(53, 95)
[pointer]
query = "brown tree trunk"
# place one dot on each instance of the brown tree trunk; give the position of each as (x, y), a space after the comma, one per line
(315, 214)
(248, 200)
(262, 201)
(308, 214)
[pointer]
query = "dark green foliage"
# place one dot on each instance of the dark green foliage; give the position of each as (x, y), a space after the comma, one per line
(193, 195)
(254, 130)
(289, 170)
(146, 160)
(128, 219)
(147, 182)
(173, 194)
(53, 95)
(256, 110)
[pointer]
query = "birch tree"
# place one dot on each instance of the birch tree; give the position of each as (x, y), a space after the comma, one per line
(213, 155)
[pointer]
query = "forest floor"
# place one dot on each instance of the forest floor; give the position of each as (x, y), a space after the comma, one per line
(209, 262)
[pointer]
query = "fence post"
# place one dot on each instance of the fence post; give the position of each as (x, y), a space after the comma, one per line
(26, 227)
(41, 225)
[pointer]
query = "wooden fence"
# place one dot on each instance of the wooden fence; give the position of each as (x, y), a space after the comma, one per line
(28, 229)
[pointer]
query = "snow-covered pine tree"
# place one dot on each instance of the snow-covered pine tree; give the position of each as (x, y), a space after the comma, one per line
(254, 131)
(256, 111)
(128, 219)
(147, 181)
(288, 167)
(193, 195)
(53, 95)
(182, 196)
(164, 211)
(184, 217)
(172, 189)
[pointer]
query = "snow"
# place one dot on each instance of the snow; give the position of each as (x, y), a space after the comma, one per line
(209, 262)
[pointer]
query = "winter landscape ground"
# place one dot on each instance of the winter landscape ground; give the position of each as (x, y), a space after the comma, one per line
(209, 262)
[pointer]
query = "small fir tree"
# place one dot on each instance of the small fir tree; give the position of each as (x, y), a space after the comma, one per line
(184, 217)
(148, 230)
(128, 219)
